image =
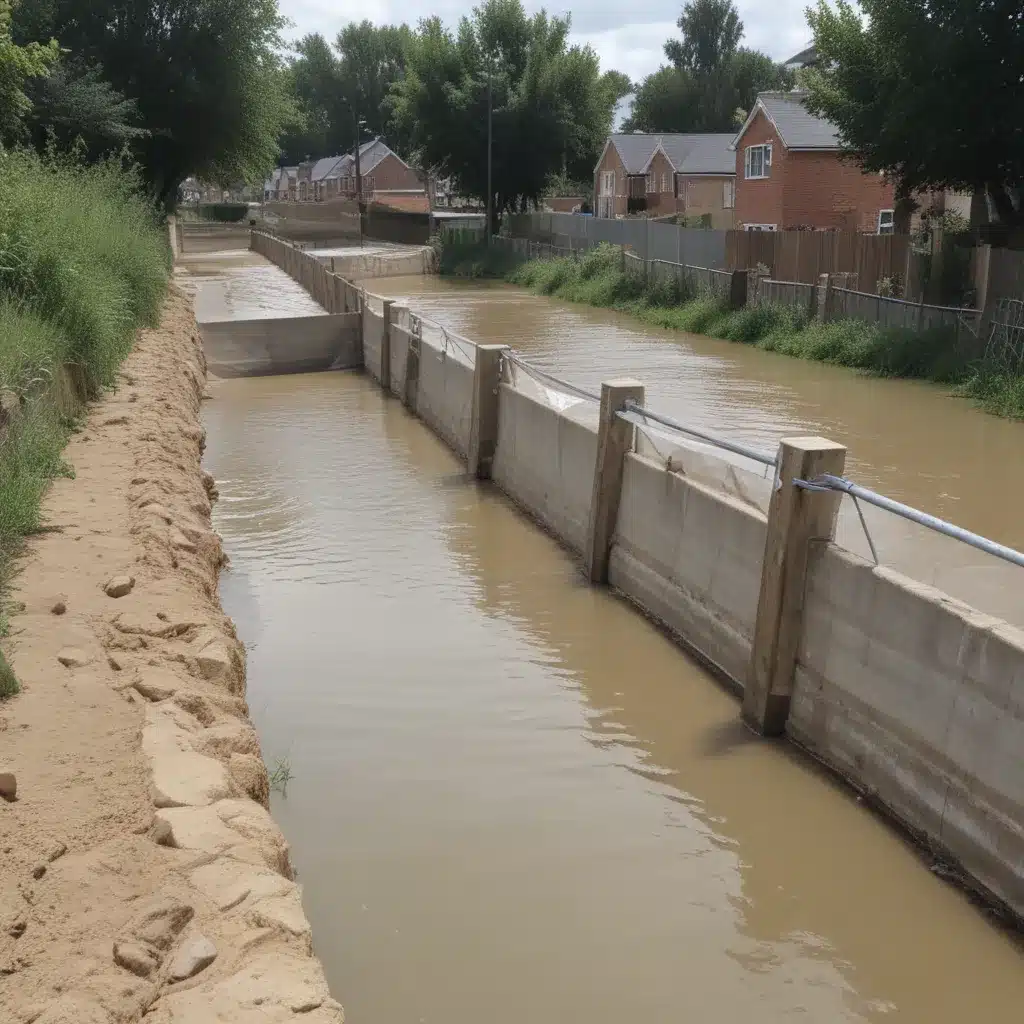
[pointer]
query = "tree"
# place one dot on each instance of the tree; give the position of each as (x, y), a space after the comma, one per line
(75, 104)
(19, 65)
(205, 76)
(709, 78)
(552, 108)
(885, 84)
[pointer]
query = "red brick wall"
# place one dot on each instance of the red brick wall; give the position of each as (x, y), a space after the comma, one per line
(807, 189)
(662, 200)
(611, 162)
(392, 175)
(760, 200)
(824, 190)
(705, 194)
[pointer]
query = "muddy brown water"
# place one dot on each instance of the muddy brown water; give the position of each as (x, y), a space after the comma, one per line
(513, 799)
(910, 440)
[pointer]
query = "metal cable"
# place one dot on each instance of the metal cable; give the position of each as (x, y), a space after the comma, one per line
(974, 540)
(638, 415)
(555, 382)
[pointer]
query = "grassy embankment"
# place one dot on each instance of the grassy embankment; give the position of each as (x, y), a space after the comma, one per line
(83, 264)
(597, 279)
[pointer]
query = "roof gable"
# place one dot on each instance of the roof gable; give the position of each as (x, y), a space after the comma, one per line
(798, 128)
(691, 153)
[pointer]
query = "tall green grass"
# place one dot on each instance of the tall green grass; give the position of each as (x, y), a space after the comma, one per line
(83, 265)
(598, 279)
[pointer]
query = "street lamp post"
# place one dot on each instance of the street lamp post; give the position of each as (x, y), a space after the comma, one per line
(490, 151)
(357, 123)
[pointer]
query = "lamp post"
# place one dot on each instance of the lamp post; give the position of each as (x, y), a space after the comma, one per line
(358, 123)
(490, 149)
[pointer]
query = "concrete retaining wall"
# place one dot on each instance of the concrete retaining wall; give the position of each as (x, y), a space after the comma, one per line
(545, 462)
(373, 342)
(253, 348)
(919, 700)
(692, 558)
(357, 265)
(445, 395)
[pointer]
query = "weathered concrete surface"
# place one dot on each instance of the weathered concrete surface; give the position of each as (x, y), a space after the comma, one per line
(545, 462)
(211, 237)
(444, 397)
(691, 557)
(253, 348)
(133, 846)
(358, 266)
(919, 700)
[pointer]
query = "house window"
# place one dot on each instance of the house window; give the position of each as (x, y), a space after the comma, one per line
(652, 184)
(886, 222)
(728, 195)
(664, 183)
(759, 227)
(758, 161)
(607, 183)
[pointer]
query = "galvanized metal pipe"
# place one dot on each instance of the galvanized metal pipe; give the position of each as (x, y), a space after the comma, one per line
(838, 483)
(638, 415)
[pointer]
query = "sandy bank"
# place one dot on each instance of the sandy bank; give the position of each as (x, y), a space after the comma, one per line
(140, 872)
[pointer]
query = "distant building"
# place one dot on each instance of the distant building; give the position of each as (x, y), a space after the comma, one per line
(657, 175)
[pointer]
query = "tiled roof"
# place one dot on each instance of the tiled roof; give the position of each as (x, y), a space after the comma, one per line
(693, 153)
(797, 126)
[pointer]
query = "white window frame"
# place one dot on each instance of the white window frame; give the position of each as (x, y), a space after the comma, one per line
(728, 195)
(651, 182)
(760, 227)
(607, 183)
(765, 149)
(664, 181)
(890, 226)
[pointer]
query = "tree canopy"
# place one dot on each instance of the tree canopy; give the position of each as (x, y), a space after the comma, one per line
(885, 83)
(710, 79)
(552, 106)
(204, 76)
(19, 65)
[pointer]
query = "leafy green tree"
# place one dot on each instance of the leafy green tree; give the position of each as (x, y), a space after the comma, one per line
(552, 107)
(709, 78)
(205, 76)
(928, 91)
(19, 65)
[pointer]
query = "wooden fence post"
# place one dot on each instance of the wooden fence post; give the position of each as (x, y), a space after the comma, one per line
(483, 430)
(614, 440)
(796, 517)
(738, 289)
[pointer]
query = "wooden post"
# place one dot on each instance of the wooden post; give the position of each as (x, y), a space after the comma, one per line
(796, 517)
(385, 349)
(412, 369)
(738, 289)
(614, 440)
(483, 429)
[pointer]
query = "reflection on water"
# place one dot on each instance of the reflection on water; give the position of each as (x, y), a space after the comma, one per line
(907, 439)
(513, 799)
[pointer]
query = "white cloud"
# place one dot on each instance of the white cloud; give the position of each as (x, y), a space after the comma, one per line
(778, 29)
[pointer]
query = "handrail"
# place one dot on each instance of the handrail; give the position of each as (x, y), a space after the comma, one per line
(827, 482)
(636, 414)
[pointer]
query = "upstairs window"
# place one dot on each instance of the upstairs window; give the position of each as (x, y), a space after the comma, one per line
(664, 183)
(652, 183)
(728, 195)
(886, 222)
(758, 161)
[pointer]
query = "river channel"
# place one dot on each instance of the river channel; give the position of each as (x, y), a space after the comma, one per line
(513, 798)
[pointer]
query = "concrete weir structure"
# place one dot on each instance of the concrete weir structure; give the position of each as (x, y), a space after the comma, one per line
(916, 699)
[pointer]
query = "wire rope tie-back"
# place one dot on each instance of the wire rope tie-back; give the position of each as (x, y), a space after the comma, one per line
(457, 341)
(638, 415)
(550, 379)
(827, 482)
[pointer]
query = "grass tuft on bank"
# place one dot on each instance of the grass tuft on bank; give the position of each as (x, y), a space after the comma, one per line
(598, 279)
(84, 264)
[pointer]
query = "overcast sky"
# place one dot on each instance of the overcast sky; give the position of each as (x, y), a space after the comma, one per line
(628, 36)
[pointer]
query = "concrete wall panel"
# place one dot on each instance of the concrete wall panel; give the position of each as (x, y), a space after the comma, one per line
(920, 700)
(692, 557)
(545, 462)
(373, 337)
(444, 400)
(399, 356)
(252, 348)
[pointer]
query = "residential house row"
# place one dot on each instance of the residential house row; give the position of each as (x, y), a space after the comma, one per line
(386, 177)
(785, 168)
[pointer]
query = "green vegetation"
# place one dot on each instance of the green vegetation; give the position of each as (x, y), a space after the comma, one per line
(83, 264)
(598, 279)
(224, 213)
(711, 81)
(876, 81)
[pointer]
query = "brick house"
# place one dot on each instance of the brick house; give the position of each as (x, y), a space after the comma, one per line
(658, 175)
(384, 175)
(791, 172)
